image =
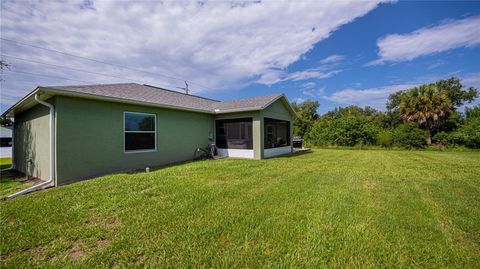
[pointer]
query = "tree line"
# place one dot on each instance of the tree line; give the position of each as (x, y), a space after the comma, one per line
(414, 118)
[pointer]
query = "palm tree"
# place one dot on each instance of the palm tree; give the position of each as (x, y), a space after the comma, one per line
(426, 105)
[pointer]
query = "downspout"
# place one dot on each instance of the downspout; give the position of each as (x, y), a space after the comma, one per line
(51, 180)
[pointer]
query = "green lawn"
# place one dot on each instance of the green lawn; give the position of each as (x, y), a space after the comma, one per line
(328, 208)
(11, 183)
(5, 162)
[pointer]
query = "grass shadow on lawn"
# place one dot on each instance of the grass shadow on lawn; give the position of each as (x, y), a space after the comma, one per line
(293, 155)
(12, 181)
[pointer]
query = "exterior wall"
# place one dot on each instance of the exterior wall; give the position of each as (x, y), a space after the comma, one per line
(31, 151)
(268, 153)
(237, 153)
(90, 138)
(256, 129)
(276, 110)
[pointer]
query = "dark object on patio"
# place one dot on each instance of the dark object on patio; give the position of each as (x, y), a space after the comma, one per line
(207, 153)
(297, 142)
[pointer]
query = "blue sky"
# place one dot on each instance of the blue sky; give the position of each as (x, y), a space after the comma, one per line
(338, 53)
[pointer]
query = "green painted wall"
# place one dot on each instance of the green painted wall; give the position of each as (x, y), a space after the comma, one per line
(31, 150)
(256, 128)
(277, 110)
(90, 138)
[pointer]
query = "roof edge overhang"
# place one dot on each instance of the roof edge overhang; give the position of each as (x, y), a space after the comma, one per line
(26, 98)
(28, 101)
(282, 97)
(52, 92)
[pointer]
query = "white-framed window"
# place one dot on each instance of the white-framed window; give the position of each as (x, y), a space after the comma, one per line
(140, 132)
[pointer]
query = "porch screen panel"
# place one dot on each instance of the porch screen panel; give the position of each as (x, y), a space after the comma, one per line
(234, 133)
(276, 133)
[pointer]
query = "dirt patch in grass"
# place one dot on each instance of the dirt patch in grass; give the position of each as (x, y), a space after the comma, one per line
(76, 251)
(112, 223)
(102, 243)
(140, 257)
(76, 255)
(370, 186)
(372, 189)
(36, 254)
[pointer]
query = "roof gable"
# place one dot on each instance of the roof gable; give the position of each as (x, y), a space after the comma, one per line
(282, 104)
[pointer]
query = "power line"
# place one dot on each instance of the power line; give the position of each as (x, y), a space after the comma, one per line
(75, 69)
(55, 77)
(98, 61)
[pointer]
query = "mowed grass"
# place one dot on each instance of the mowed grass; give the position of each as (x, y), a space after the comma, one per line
(9, 182)
(328, 208)
(5, 162)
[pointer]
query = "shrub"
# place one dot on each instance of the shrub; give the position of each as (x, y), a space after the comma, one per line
(385, 138)
(448, 139)
(347, 130)
(470, 133)
(319, 133)
(442, 138)
(409, 135)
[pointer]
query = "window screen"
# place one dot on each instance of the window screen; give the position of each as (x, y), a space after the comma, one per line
(276, 133)
(140, 131)
(234, 133)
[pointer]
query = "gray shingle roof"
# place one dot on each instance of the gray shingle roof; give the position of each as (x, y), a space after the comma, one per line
(142, 93)
(246, 103)
(154, 95)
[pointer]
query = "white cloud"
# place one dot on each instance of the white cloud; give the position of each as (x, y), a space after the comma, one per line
(472, 80)
(314, 93)
(376, 97)
(309, 74)
(309, 85)
(373, 97)
(325, 70)
(299, 100)
(436, 64)
(276, 76)
(425, 41)
(220, 45)
(332, 59)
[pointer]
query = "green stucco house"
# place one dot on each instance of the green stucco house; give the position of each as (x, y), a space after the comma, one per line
(68, 133)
